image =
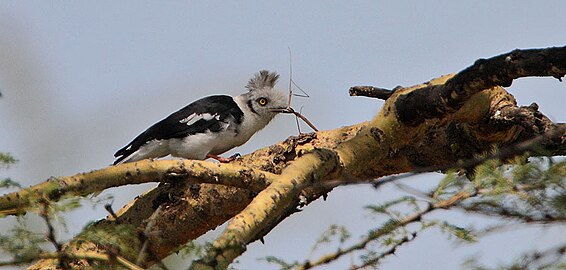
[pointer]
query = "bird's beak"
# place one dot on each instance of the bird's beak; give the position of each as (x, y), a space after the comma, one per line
(297, 114)
(283, 110)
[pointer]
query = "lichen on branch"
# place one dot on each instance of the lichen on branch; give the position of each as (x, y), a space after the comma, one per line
(164, 171)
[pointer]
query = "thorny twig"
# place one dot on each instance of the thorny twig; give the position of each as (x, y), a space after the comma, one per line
(297, 114)
(289, 109)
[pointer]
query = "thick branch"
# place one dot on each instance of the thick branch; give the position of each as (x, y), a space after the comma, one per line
(437, 100)
(458, 128)
(268, 206)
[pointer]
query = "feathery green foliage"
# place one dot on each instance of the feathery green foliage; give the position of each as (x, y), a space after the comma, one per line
(6, 159)
(283, 265)
(21, 243)
(523, 192)
(463, 234)
(9, 183)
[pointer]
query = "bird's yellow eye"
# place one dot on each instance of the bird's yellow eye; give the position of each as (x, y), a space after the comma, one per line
(262, 101)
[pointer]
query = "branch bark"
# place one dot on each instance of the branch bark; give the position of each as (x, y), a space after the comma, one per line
(164, 171)
(455, 117)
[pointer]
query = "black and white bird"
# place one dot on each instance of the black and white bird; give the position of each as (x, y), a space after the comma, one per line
(210, 126)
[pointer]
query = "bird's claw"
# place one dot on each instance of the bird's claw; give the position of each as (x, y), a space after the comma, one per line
(223, 159)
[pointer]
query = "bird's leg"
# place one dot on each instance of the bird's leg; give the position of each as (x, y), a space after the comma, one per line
(223, 159)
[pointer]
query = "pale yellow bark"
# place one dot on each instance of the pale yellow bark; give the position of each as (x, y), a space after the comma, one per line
(262, 188)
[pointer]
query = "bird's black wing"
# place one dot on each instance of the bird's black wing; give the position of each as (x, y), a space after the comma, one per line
(208, 113)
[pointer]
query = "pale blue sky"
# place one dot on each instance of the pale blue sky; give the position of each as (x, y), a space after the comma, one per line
(80, 79)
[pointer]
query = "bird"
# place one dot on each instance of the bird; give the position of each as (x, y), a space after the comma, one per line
(210, 126)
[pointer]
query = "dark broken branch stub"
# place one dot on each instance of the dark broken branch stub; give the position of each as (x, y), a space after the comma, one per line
(372, 92)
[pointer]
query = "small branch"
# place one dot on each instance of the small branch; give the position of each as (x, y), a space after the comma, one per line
(415, 217)
(196, 171)
(76, 256)
(372, 92)
(297, 114)
(306, 121)
(501, 212)
(368, 239)
(44, 214)
(388, 252)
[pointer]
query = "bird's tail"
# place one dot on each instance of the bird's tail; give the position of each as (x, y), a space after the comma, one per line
(123, 153)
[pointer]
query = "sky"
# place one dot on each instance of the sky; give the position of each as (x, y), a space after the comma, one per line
(80, 79)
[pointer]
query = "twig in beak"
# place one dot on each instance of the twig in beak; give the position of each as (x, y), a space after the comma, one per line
(297, 114)
(297, 120)
(290, 78)
(289, 109)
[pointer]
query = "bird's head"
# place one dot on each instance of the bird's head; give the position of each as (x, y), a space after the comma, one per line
(262, 99)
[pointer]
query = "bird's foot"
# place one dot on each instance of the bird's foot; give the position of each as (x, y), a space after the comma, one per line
(223, 159)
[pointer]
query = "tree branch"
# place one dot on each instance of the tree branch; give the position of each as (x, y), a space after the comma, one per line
(458, 126)
(95, 256)
(372, 92)
(165, 171)
(267, 207)
(437, 100)
(384, 230)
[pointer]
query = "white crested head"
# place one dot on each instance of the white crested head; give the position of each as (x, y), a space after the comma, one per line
(262, 98)
(261, 101)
